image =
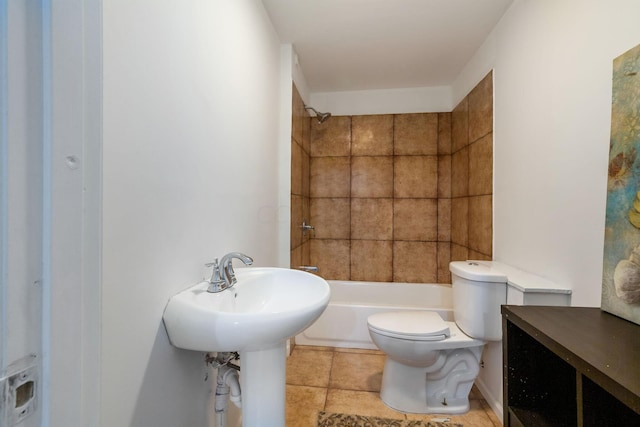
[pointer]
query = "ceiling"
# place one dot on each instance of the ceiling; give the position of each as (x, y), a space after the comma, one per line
(345, 45)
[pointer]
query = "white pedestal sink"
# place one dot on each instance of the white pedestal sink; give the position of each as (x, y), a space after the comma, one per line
(255, 318)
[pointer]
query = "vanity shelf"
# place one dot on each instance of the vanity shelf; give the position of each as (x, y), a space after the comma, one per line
(569, 366)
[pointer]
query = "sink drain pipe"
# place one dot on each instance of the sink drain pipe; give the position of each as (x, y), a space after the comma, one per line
(228, 386)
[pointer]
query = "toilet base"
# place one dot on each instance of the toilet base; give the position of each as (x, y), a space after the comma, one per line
(442, 388)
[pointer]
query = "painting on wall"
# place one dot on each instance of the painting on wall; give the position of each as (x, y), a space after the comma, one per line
(621, 273)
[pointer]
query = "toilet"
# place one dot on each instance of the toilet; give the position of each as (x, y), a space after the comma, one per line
(431, 363)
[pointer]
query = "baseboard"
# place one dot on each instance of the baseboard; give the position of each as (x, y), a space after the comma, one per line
(493, 402)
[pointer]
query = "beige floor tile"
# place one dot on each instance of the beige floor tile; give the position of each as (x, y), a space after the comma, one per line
(476, 417)
(352, 371)
(360, 403)
(309, 367)
(313, 347)
(303, 404)
(475, 393)
(492, 415)
(358, 351)
(353, 377)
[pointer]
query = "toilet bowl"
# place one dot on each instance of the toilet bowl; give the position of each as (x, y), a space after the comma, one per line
(431, 364)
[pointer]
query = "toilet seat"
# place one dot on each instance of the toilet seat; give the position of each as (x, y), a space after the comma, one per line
(410, 325)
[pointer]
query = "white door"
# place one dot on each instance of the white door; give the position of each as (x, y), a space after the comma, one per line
(50, 97)
(21, 195)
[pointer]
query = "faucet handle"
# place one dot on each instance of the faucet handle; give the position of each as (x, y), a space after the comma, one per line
(215, 275)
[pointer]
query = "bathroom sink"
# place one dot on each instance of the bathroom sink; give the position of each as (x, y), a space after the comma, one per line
(264, 308)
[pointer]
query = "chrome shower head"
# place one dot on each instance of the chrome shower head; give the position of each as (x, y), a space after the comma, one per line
(320, 116)
(323, 116)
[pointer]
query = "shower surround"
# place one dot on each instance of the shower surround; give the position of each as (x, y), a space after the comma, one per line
(394, 197)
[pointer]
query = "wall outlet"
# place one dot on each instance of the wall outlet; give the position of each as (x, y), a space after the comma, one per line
(19, 391)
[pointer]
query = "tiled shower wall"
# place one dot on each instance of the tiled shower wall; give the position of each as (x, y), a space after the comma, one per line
(374, 197)
(393, 197)
(472, 174)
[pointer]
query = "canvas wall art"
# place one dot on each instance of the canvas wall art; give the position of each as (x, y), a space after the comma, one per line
(621, 273)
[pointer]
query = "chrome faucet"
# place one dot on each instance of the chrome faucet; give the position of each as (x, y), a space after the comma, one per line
(223, 276)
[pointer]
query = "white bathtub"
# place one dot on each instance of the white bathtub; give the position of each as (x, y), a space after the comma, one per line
(344, 322)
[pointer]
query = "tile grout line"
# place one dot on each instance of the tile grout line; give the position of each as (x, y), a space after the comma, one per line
(326, 394)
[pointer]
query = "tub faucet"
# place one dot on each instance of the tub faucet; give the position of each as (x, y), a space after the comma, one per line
(223, 276)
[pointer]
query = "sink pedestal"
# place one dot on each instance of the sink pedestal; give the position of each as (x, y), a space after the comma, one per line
(263, 379)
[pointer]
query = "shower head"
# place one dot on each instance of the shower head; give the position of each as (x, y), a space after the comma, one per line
(323, 116)
(320, 116)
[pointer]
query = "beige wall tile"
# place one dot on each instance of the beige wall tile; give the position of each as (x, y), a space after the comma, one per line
(372, 135)
(415, 134)
(295, 257)
(415, 262)
(444, 176)
(481, 166)
(478, 256)
(460, 125)
(481, 109)
(306, 215)
(305, 255)
(332, 257)
(372, 260)
(306, 174)
(372, 176)
(331, 138)
(480, 224)
(331, 218)
(330, 177)
(297, 116)
(444, 133)
(296, 220)
(444, 220)
(363, 193)
(296, 168)
(460, 221)
(415, 176)
(444, 258)
(460, 173)
(306, 132)
(459, 253)
(415, 219)
(372, 219)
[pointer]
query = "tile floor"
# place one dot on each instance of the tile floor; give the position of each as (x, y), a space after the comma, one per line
(348, 381)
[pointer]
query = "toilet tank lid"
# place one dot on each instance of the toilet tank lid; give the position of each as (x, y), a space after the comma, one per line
(410, 323)
(477, 272)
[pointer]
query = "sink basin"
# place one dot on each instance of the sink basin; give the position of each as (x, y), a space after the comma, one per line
(264, 308)
(255, 317)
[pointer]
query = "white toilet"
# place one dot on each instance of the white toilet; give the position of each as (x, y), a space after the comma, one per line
(431, 364)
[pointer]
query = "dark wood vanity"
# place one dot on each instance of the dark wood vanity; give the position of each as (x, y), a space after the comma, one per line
(569, 366)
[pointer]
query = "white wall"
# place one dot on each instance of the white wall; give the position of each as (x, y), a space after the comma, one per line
(191, 95)
(552, 65)
(384, 101)
(553, 68)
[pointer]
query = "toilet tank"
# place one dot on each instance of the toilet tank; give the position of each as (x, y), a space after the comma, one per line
(478, 292)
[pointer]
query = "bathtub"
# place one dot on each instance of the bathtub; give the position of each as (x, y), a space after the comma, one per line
(344, 322)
